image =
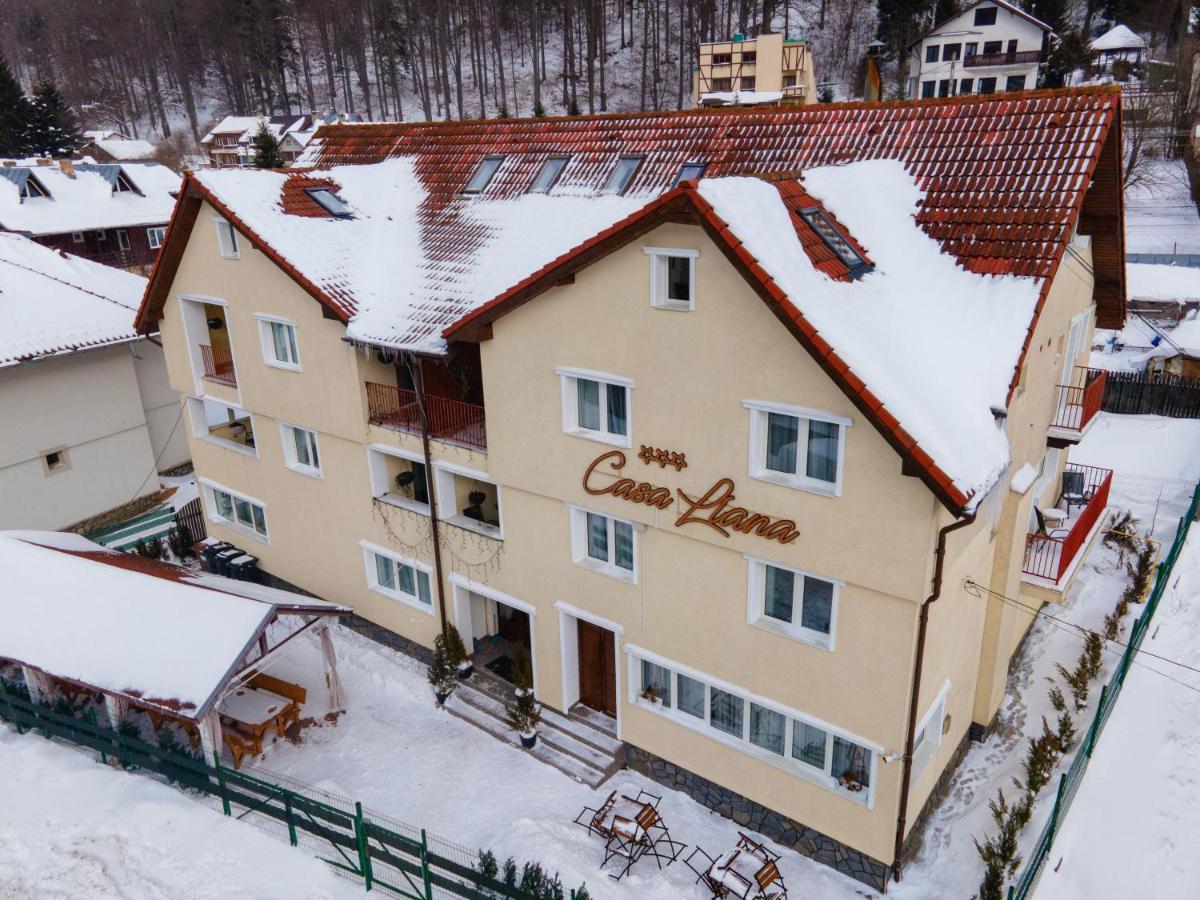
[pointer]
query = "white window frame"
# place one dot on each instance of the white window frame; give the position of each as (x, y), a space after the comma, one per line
(568, 378)
(123, 239)
(77, 237)
(928, 736)
(579, 544)
(287, 435)
(267, 339)
(755, 609)
(227, 238)
(759, 411)
(822, 778)
(370, 551)
(200, 428)
(155, 236)
(381, 488)
(211, 488)
(658, 278)
(443, 482)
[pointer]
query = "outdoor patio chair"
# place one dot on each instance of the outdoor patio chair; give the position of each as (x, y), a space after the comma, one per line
(703, 869)
(592, 819)
(1045, 529)
(1074, 489)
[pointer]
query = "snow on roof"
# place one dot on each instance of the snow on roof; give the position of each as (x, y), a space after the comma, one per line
(246, 126)
(52, 303)
(1119, 37)
(939, 368)
(86, 200)
(126, 625)
(1183, 338)
(125, 149)
(1147, 281)
(740, 98)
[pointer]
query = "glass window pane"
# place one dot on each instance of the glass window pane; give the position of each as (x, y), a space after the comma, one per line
(808, 744)
(691, 696)
(242, 507)
(423, 592)
(483, 174)
(597, 537)
(407, 581)
(300, 438)
(780, 589)
(818, 605)
(260, 519)
(291, 338)
(419, 485)
(767, 728)
(617, 423)
(822, 450)
(783, 433)
(224, 504)
(623, 537)
(679, 278)
(548, 174)
(312, 450)
(657, 680)
(851, 762)
(279, 340)
(589, 403)
(727, 712)
(385, 572)
(621, 175)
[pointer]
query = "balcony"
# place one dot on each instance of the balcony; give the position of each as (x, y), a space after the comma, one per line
(218, 365)
(454, 421)
(1051, 553)
(1078, 403)
(1016, 58)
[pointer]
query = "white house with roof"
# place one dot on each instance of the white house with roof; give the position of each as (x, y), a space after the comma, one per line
(989, 47)
(88, 417)
(230, 141)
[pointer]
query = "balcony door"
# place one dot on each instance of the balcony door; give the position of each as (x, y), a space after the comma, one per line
(597, 668)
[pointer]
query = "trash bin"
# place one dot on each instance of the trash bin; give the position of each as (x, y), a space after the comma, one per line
(244, 568)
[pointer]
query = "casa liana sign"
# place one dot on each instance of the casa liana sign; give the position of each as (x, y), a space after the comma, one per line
(714, 508)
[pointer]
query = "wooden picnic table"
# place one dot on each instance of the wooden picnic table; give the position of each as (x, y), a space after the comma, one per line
(254, 709)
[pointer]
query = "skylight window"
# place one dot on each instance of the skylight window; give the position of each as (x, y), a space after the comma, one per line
(331, 203)
(548, 174)
(842, 249)
(690, 172)
(483, 174)
(618, 181)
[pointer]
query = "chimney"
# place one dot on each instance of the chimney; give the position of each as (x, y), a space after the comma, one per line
(10, 163)
(67, 167)
(44, 160)
(873, 80)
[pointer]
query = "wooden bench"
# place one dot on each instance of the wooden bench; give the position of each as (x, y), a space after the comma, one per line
(241, 744)
(293, 692)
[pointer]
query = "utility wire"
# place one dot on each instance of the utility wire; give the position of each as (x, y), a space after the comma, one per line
(157, 459)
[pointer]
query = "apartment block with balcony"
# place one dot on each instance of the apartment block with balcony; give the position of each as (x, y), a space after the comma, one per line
(751, 71)
(989, 47)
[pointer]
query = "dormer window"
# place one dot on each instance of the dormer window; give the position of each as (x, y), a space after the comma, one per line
(33, 188)
(548, 174)
(690, 172)
(842, 249)
(331, 202)
(622, 175)
(483, 174)
(122, 183)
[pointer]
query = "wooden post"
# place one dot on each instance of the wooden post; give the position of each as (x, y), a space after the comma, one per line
(117, 708)
(38, 685)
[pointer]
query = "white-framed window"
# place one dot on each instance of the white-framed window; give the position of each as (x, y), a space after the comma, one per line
(672, 278)
(122, 239)
(797, 447)
(762, 728)
(604, 544)
(793, 603)
(928, 736)
(622, 174)
(77, 237)
(398, 577)
(244, 513)
(279, 345)
(482, 176)
(468, 499)
(300, 450)
(227, 238)
(399, 478)
(548, 174)
(220, 423)
(596, 405)
(156, 236)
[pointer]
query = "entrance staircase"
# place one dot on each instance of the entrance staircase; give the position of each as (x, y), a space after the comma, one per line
(581, 745)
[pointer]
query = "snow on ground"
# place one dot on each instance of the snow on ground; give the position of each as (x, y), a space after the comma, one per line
(1160, 216)
(71, 827)
(1140, 800)
(1156, 446)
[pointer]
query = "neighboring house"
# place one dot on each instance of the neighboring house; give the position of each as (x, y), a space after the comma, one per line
(989, 47)
(749, 71)
(89, 418)
(231, 141)
(293, 143)
(1119, 47)
(110, 213)
(1178, 353)
(717, 405)
(112, 146)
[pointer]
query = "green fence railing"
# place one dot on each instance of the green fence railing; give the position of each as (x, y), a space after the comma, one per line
(1068, 783)
(382, 852)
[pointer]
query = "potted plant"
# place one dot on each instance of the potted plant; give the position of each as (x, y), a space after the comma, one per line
(441, 673)
(651, 697)
(850, 781)
(404, 482)
(458, 653)
(523, 714)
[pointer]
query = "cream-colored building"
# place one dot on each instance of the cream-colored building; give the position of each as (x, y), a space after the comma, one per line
(737, 460)
(748, 71)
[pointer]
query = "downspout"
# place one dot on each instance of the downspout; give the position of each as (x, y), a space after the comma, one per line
(939, 558)
(417, 374)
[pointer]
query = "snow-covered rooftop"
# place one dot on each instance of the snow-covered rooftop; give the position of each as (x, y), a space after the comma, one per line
(1147, 281)
(126, 625)
(1119, 37)
(84, 199)
(53, 303)
(246, 126)
(125, 149)
(740, 98)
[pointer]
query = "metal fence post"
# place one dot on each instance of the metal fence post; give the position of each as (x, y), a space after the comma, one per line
(291, 821)
(1054, 813)
(360, 839)
(1095, 729)
(221, 783)
(425, 866)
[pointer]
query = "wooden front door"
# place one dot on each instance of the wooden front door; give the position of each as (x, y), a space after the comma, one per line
(597, 668)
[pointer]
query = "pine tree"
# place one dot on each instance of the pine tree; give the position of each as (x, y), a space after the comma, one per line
(53, 129)
(15, 113)
(267, 153)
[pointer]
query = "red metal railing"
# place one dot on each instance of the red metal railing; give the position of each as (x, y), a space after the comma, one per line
(218, 365)
(1016, 58)
(1050, 557)
(449, 420)
(1077, 404)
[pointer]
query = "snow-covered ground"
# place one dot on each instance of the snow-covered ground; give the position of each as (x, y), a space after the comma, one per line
(1154, 446)
(1160, 216)
(73, 828)
(1132, 827)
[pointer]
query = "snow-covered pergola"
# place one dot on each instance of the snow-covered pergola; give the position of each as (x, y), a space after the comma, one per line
(137, 630)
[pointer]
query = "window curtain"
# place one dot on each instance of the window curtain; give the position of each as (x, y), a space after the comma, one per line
(818, 605)
(589, 404)
(783, 433)
(851, 760)
(767, 728)
(597, 537)
(623, 534)
(617, 423)
(780, 589)
(691, 696)
(822, 450)
(808, 744)
(727, 712)
(657, 679)
(385, 572)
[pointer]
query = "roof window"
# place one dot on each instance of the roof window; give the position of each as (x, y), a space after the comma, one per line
(122, 183)
(331, 202)
(690, 172)
(548, 174)
(842, 248)
(618, 181)
(33, 188)
(483, 174)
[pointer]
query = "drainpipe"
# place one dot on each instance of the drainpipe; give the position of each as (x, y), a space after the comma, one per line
(416, 372)
(939, 558)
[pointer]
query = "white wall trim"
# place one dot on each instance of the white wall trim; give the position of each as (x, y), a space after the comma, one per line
(499, 596)
(591, 618)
